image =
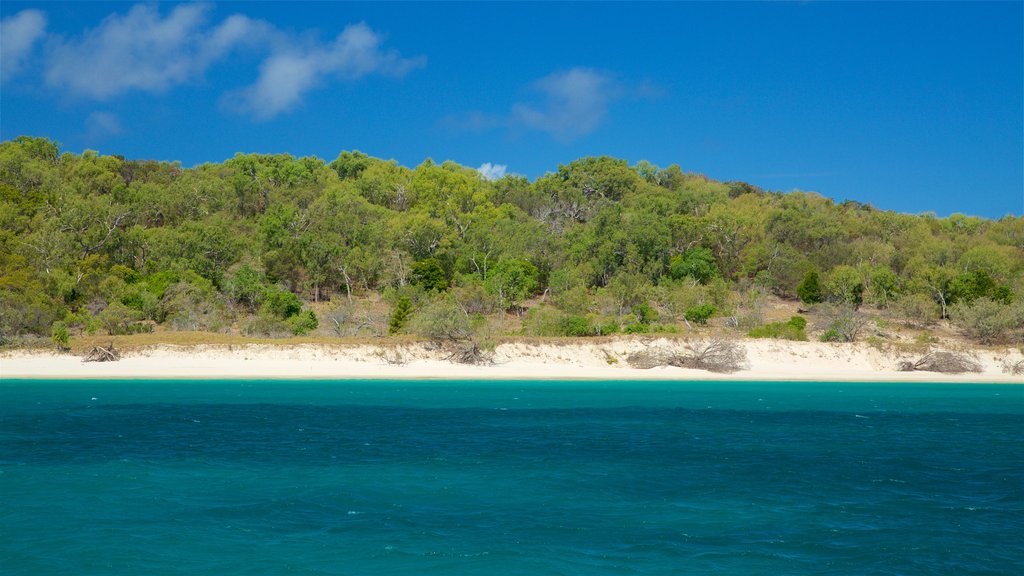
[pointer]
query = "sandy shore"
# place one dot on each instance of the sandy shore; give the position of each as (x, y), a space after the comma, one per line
(767, 360)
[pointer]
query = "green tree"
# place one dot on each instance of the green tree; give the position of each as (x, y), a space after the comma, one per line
(429, 274)
(697, 263)
(400, 315)
(809, 290)
(512, 281)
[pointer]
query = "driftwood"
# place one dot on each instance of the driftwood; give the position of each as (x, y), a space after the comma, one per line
(941, 361)
(1014, 368)
(470, 353)
(101, 354)
(716, 355)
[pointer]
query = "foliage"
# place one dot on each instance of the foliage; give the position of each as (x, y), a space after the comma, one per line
(645, 314)
(60, 336)
(793, 329)
(841, 322)
(809, 290)
(429, 274)
(988, 320)
(700, 314)
(400, 315)
(281, 304)
(697, 263)
(443, 319)
(512, 281)
(120, 244)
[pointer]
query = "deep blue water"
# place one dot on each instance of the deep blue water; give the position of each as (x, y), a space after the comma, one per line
(496, 478)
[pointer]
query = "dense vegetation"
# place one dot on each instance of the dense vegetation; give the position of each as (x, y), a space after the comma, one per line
(276, 245)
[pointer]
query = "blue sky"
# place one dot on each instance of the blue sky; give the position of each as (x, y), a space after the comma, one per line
(909, 106)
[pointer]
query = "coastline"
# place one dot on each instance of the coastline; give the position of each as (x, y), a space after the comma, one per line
(768, 360)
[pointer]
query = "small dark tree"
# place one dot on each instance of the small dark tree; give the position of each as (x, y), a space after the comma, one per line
(809, 290)
(400, 315)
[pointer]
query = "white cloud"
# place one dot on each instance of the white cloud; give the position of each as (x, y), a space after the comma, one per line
(568, 105)
(18, 36)
(573, 103)
(492, 171)
(288, 74)
(99, 125)
(140, 50)
(144, 50)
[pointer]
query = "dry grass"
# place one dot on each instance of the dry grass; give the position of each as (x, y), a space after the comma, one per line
(84, 343)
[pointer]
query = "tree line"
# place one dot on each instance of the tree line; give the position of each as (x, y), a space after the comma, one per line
(278, 245)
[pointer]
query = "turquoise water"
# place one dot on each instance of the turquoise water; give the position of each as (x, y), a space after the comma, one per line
(496, 478)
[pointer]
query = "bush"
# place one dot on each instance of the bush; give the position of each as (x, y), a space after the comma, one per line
(842, 322)
(60, 335)
(575, 326)
(303, 323)
(198, 306)
(116, 318)
(832, 335)
(636, 328)
(987, 320)
(645, 314)
(700, 314)
(281, 304)
(442, 319)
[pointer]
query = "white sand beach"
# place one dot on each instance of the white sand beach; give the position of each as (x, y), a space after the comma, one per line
(770, 360)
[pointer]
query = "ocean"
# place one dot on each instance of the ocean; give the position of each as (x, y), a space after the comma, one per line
(499, 478)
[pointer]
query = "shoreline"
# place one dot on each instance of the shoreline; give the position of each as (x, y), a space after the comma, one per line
(767, 360)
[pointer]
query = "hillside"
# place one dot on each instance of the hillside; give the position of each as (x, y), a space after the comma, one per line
(276, 246)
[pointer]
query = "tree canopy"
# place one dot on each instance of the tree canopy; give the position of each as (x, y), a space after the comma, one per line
(99, 242)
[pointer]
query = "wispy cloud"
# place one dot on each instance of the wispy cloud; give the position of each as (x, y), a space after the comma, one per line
(100, 125)
(566, 105)
(288, 74)
(144, 50)
(492, 171)
(571, 104)
(140, 50)
(18, 36)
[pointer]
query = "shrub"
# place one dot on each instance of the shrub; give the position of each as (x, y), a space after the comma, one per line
(576, 326)
(303, 323)
(636, 328)
(282, 304)
(645, 314)
(832, 335)
(442, 319)
(700, 314)
(60, 336)
(116, 318)
(987, 320)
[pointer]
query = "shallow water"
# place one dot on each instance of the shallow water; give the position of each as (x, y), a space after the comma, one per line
(433, 477)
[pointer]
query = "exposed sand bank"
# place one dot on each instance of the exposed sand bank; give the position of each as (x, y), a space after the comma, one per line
(767, 360)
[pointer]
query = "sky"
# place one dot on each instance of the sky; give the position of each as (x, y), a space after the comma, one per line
(914, 107)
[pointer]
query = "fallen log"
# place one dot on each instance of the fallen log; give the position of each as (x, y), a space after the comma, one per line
(101, 354)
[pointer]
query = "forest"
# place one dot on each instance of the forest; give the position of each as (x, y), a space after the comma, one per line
(361, 247)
